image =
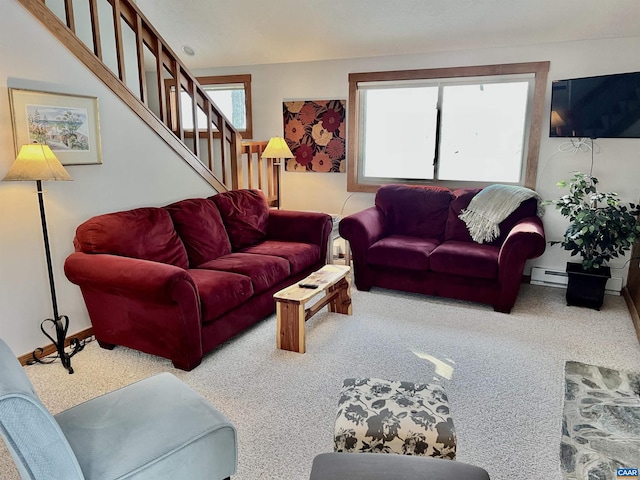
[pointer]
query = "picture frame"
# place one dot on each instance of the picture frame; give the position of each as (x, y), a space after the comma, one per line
(315, 131)
(69, 124)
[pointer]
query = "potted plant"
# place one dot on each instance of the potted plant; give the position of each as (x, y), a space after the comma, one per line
(600, 228)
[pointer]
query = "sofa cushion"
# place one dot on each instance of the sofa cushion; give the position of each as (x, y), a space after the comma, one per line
(264, 270)
(401, 251)
(199, 225)
(418, 210)
(245, 214)
(457, 230)
(143, 233)
(299, 255)
(468, 259)
(220, 291)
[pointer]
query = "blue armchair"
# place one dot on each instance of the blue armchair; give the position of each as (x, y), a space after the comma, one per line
(157, 428)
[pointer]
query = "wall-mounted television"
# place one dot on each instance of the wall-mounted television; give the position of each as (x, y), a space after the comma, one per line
(606, 106)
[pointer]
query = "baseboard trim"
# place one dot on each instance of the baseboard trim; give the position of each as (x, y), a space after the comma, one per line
(633, 311)
(49, 349)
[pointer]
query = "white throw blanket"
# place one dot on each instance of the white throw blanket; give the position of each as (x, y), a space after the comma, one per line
(491, 206)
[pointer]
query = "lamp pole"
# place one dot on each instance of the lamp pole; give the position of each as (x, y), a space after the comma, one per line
(47, 249)
(278, 165)
(60, 323)
(37, 162)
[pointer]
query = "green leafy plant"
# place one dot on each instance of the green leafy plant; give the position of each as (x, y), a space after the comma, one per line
(600, 227)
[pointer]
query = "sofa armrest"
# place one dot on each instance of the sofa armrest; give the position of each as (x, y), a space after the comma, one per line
(299, 226)
(148, 306)
(525, 241)
(143, 279)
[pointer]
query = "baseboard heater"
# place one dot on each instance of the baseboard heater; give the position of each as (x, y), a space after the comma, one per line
(558, 278)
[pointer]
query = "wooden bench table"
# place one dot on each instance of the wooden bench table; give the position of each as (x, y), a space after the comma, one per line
(333, 281)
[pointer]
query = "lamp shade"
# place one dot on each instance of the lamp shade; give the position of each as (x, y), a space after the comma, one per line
(277, 148)
(36, 162)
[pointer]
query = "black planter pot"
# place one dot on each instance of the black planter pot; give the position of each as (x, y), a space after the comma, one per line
(586, 289)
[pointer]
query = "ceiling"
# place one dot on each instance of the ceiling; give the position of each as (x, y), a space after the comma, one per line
(247, 32)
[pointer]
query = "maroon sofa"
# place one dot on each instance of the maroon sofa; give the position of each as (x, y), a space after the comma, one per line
(413, 240)
(180, 280)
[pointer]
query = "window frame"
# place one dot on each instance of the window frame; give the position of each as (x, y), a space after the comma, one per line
(539, 70)
(244, 79)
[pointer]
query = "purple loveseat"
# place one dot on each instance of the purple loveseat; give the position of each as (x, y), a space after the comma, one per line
(180, 280)
(413, 240)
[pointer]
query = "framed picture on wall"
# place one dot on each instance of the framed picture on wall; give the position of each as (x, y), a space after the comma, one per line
(315, 131)
(68, 124)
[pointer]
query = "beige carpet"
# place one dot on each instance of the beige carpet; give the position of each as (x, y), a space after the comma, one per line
(504, 375)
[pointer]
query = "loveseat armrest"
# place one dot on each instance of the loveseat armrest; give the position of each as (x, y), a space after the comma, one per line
(299, 226)
(362, 230)
(525, 241)
(148, 306)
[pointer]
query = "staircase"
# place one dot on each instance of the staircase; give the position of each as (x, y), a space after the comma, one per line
(118, 44)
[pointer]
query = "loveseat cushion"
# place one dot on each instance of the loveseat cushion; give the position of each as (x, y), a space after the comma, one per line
(457, 230)
(299, 255)
(414, 210)
(402, 251)
(199, 225)
(144, 233)
(264, 270)
(220, 291)
(468, 259)
(245, 214)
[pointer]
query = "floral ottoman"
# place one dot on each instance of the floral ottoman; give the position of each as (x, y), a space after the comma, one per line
(385, 416)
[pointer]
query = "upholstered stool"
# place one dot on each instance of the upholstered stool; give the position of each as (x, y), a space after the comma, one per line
(385, 416)
(360, 466)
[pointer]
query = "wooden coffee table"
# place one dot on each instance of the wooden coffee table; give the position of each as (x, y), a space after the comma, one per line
(332, 281)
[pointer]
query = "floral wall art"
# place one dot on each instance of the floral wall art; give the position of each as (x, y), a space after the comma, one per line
(315, 131)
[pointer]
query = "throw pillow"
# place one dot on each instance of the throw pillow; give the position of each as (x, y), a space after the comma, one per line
(144, 233)
(200, 226)
(245, 214)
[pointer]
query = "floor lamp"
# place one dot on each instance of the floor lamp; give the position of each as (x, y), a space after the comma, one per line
(36, 162)
(277, 149)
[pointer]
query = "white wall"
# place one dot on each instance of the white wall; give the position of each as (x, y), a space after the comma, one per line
(617, 165)
(137, 170)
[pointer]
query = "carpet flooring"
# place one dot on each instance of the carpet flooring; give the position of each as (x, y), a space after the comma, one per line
(504, 376)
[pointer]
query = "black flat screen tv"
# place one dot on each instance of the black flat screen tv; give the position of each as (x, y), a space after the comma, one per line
(606, 106)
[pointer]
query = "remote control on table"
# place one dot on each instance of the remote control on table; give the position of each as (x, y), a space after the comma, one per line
(308, 285)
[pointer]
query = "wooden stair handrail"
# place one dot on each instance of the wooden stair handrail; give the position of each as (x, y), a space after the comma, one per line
(146, 35)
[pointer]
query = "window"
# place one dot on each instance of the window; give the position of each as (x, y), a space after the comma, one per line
(231, 100)
(453, 126)
(391, 113)
(232, 95)
(483, 131)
